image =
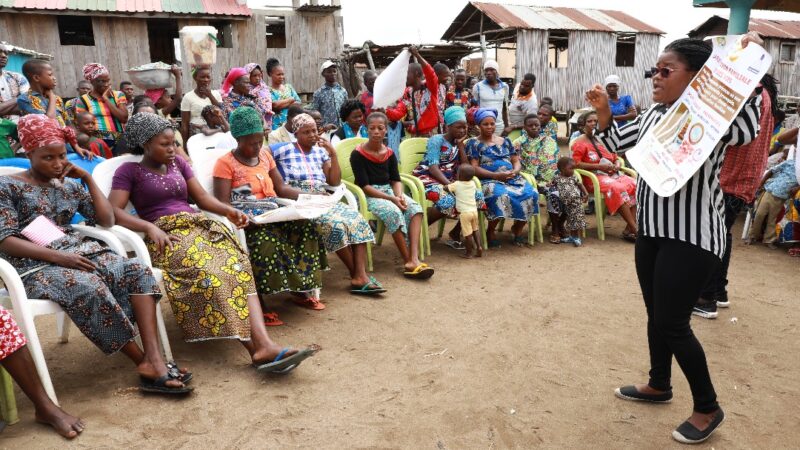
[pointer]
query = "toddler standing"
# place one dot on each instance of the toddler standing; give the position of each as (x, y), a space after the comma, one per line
(465, 192)
(572, 194)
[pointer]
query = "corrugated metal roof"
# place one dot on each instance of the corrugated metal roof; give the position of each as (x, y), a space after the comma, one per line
(781, 29)
(186, 7)
(550, 18)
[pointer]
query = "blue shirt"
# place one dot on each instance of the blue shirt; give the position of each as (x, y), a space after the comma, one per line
(620, 107)
(328, 100)
(295, 165)
(783, 179)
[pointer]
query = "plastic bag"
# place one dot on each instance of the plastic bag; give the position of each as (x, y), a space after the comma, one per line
(391, 83)
(200, 44)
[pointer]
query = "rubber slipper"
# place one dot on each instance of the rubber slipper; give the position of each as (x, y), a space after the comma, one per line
(375, 282)
(366, 289)
(630, 237)
(175, 372)
(520, 241)
(794, 252)
(455, 245)
(272, 320)
(555, 239)
(159, 386)
(310, 303)
(285, 365)
(421, 272)
(494, 243)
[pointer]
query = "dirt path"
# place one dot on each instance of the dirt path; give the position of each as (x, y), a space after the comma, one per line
(521, 349)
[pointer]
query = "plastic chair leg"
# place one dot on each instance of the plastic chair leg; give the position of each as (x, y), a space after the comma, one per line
(8, 403)
(539, 230)
(62, 326)
(162, 333)
(599, 214)
(369, 256)
(35, 347)
(441, 228)
(482, 228)
(381, 231)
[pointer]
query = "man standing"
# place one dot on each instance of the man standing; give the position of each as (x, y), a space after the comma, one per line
(523, 102)
(12, 84)
(330, 97)
(459, 94)
(739, 177)
(366, 96)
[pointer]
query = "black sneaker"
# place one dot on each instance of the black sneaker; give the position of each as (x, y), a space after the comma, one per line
(722, 301)
(686, 433)
(706, 309)
(631, 393)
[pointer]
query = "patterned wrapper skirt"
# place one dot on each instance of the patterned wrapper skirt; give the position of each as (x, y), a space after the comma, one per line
(286, 256)
(514, 199)
(788, 226)
(207, 277)
(394, 218)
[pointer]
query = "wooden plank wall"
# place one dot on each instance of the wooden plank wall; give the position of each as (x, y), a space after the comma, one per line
(788, 74)
(119, 44)
(592, 57)
(122, 43)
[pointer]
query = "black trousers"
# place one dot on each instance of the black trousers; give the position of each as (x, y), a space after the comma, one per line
(672, 273)
(716, 286)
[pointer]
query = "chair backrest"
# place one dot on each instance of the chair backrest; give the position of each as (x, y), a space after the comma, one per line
(199, 143)
(11, 170)
(203, 166)
(343, 150)
(411, 152)
(514, 135)
(104, 174)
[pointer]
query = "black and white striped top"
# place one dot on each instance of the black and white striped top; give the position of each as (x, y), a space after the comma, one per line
(696, 213)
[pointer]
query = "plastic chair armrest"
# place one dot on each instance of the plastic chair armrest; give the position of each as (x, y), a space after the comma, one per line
(104, 236)
(134, 241)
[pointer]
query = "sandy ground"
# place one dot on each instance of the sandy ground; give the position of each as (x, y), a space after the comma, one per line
(520, 349)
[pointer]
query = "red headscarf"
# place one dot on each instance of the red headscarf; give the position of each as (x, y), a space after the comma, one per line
(38, 130)
(155, 94)
(233, 75)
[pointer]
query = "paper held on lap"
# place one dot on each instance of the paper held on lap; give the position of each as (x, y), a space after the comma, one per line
(671, 152)
(307, 206)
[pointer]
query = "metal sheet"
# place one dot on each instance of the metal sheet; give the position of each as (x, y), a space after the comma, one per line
(213, 7)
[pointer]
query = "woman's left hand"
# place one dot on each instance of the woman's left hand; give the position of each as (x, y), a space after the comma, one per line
(753, 37)
(401, 203)
(238, 218)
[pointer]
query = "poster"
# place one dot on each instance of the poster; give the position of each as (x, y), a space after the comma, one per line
(307, 206)
(672, 151)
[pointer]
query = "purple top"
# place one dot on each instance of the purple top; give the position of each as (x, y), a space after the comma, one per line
(155, 195)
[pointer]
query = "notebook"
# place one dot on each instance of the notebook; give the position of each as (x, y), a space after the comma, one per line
(42, 231)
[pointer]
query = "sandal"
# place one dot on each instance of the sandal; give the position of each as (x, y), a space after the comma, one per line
(520, 241)
(630, 237)
(281, 365)
(175, 373)
(555, 239)
(421, 272)
(370, 288)
(310, 303)
(494, 243)
(271, 320)
(159, 386)
(794, 252)
(455, 245)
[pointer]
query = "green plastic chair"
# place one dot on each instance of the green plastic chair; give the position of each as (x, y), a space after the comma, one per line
(514, 134)
(343, 150)
(412, 150)
(8, 403)
(600, 210)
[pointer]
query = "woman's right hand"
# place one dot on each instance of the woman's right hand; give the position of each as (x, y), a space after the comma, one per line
(400, 202)
(73, 261)
(608, 168)
(597, 97)
(161, 239)
(238, 218)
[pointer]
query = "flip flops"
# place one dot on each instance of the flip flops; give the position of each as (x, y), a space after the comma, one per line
(630, 237)
(366, 289)
(271, 320)
(310, 303)
(159, 386)
(520, 241)
(175, 372)
(281, 365)
(421, 272)
(455, 245)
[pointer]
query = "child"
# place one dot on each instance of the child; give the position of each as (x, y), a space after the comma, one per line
(84, 87)
(215, 121)
(780, 184)
(467, 205)
(572, 194)
(88, 137)
(321, 131)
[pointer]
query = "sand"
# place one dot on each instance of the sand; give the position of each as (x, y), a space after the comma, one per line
(520, 349)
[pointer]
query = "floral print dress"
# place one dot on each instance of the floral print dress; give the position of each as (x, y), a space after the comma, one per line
(98, 302)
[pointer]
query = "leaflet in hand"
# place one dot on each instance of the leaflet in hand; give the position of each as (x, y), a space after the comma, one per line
(42, 231)
(674, 149)
(307, 206)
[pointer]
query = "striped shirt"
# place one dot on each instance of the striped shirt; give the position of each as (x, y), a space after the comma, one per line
(108, 125)
(696, 213)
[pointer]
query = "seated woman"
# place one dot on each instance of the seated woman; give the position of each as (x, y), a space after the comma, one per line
(309, 164)
(16, 359)
(376, 172)
(538, 153)
(286, 256)
(103, 293)
(497, 165)
(352, 114)
(438, 169)
(619, 190)
(207, 275)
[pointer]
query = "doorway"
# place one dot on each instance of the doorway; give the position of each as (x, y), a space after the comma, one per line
(161, 34)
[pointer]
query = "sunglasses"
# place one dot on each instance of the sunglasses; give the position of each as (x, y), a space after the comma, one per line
(664, 72)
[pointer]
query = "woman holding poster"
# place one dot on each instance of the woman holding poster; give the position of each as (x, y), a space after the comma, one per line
(681, 237)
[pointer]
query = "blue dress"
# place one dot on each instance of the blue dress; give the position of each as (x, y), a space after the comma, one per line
(513, 199)
(620, 107)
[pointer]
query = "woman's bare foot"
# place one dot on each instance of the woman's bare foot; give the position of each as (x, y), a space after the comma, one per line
(65, 424)
(268, 354)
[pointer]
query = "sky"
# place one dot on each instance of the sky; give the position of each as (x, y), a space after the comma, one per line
(424, 21)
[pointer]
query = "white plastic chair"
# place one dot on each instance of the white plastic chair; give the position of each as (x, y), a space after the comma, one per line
(15, 299)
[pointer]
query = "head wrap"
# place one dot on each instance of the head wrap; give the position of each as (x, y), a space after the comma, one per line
(38, 130)
(233, 75)
(491, 64)
(260, 90)
(302, 120)
(454, 114)
(612, 79)
(244, 121)
(249, 67)
(93, 70)
(483, 113)
(142, 127)
(155, 94)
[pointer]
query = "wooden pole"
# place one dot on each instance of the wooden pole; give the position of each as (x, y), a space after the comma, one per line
(483, 43)
(369, 56)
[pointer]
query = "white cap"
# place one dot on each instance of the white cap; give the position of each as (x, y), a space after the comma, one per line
(327, 64)
(612, 79)
(491, 64)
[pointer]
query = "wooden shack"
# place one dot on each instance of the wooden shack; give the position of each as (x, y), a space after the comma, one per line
(567, 49)
(781, 40)
(126, 33)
